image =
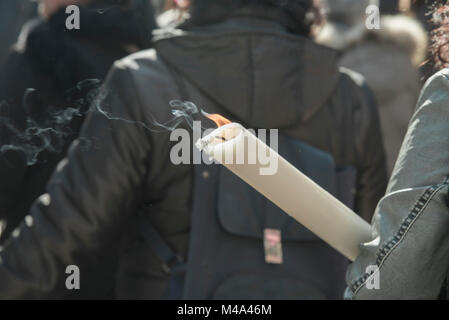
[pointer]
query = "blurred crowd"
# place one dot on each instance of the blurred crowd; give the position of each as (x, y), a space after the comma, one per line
(341, 87)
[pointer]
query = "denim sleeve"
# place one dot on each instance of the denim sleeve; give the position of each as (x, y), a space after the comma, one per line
(408, 257)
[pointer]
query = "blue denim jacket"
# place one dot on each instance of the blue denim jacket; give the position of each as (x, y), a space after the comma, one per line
(409, 256)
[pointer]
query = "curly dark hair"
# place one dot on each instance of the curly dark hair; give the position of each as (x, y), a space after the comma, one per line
(440, 34)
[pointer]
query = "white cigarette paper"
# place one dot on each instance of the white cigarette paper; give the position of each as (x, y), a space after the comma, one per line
(288, 188)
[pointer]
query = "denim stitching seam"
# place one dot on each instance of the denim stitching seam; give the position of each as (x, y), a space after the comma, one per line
(405, 226)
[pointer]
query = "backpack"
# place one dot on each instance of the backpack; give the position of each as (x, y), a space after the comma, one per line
(242, 246)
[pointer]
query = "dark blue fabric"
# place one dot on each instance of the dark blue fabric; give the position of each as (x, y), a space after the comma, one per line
(226, 254)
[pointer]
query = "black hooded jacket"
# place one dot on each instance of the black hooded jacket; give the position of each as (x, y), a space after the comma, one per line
(46, 82)
(247, 68)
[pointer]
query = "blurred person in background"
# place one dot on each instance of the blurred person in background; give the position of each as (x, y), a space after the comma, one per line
(388, 58)
(13, 14)
(172, 15)
(46, 81)
(409, 255)
(422, 10)
(389, 6)
(159, 6)
(250, 60)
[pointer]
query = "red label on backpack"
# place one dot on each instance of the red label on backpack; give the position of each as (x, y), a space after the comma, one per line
(273, 246)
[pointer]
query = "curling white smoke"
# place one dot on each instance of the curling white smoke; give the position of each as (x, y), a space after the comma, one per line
(181, 111)
(50, 131)
(46, 131)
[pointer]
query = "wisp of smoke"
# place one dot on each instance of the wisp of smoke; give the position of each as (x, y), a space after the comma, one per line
(181, 112)
(51, 130)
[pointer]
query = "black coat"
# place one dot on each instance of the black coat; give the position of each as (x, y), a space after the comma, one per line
(249, 69)
(51, 73)
(13, 14)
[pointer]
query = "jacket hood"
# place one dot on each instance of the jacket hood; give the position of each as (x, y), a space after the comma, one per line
(103, 21)
(348, 12)
(107, 32)
(254, 69)
(109, 20)
(401, 30)
(406, 32)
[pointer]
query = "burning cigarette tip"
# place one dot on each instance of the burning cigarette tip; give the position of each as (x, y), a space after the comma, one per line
(218, 119)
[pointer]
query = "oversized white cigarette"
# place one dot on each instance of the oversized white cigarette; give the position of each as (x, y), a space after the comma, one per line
(288, 188)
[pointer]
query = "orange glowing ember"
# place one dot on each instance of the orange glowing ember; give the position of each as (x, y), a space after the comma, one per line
(218, 119)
